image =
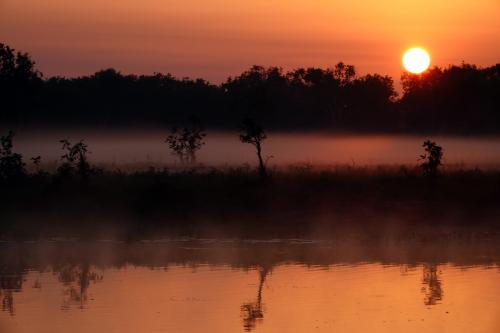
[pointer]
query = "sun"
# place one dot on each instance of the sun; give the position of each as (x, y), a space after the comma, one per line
(416, 60)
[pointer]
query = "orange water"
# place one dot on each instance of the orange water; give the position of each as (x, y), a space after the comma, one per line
(365, 297)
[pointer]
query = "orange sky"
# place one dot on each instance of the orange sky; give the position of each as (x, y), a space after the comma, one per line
(217, 38)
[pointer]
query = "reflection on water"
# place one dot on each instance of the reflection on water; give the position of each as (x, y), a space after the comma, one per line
(432, 284)
(271, 287)
(253, 311)
(77, 279)
(11, 280)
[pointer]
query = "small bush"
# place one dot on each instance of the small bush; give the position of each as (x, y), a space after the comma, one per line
(11, 164)
(74, 160)
(185, 142)
(432, 158)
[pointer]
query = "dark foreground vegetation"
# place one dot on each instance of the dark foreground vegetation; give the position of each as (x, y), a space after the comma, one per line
(457, 99)
(293, 202)
(77, 199)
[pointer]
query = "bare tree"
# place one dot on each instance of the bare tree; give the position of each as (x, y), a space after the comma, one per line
(254, 134)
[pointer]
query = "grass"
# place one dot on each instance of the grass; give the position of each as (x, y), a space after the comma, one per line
(297, 201)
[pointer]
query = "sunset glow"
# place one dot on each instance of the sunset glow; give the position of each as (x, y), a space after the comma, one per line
(249, 166)
(215, 39)
(416, 60)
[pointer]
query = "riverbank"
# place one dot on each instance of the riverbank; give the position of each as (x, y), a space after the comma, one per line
(236, 202)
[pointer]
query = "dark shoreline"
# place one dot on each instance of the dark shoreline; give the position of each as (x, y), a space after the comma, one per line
(247, 253)
(236, 202)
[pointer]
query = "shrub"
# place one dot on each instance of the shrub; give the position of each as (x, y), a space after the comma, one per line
(11, 164)
(432, 158)
(185, 142)
(74, 160)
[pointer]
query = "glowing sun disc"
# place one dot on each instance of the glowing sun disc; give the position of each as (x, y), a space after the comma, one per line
(416, 60)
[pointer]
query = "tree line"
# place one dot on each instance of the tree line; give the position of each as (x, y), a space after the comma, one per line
(457, 99)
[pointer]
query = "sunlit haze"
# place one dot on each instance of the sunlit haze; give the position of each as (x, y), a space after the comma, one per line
(214, 39)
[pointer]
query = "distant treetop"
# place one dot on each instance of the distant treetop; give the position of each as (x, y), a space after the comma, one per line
(457, 99)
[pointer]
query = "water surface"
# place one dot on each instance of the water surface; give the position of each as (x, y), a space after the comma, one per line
(232, 287)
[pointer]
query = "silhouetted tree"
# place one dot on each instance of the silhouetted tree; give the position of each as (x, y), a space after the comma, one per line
(454, 99)
(462, 98)
(185, 142)
(254, 134)
(16, 65)
(431, 158)
(75, 160)
(11, 164)
(19, 83)
(368, 103)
